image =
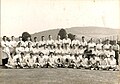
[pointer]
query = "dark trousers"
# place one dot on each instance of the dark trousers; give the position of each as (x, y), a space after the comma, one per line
(4, 61)
(117, 57)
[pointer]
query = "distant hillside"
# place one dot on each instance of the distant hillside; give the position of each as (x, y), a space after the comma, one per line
(88, 32)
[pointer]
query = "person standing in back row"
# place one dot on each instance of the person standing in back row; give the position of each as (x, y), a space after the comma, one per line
(116, 48)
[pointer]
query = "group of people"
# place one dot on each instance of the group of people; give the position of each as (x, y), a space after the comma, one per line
(59, 53)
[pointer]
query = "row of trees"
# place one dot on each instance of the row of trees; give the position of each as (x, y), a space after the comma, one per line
(62, 34)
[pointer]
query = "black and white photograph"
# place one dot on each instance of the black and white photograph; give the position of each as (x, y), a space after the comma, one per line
(60, 42)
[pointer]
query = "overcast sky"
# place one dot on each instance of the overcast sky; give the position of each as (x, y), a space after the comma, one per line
(33, 16)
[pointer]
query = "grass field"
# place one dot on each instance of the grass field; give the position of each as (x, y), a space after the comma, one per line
(57, 76)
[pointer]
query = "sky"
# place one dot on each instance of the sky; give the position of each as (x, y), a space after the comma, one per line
(32, 16)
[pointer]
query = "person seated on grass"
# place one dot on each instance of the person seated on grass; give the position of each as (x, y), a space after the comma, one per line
(11, 62)
(71, 60)
(37, 62)
(30, 61)
(81, 51)
(88, 53)
(22, 61)
(93, 63)
(45, 60)
(55, 60)
(40, 61)
(95, 53)
(59, 63)
(112, 62)
(51, 60)
(85, 63)
(77, 62)
(103, 63)
(66, 60)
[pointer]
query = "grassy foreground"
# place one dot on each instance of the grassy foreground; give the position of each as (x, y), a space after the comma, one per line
(58, 76)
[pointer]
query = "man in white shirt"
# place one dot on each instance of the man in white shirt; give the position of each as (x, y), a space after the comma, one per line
(107, 45)
(99, 45)
(5, 50)
(83, 42)
(112, 63)
(11, 62)
(75, 42)
(28, 41)
(103, 63)
(19, 48)
(22, 42)
(66, 42)
(51, 60)
(77, 62)
(30, 61)
(22, 62)
(91, 44)
(29, 48)
(34, 42)
(50, 41)
(58, 42)
(13, 45)
(42, 43)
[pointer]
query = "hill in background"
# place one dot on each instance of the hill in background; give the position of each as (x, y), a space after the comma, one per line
(88, 32)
